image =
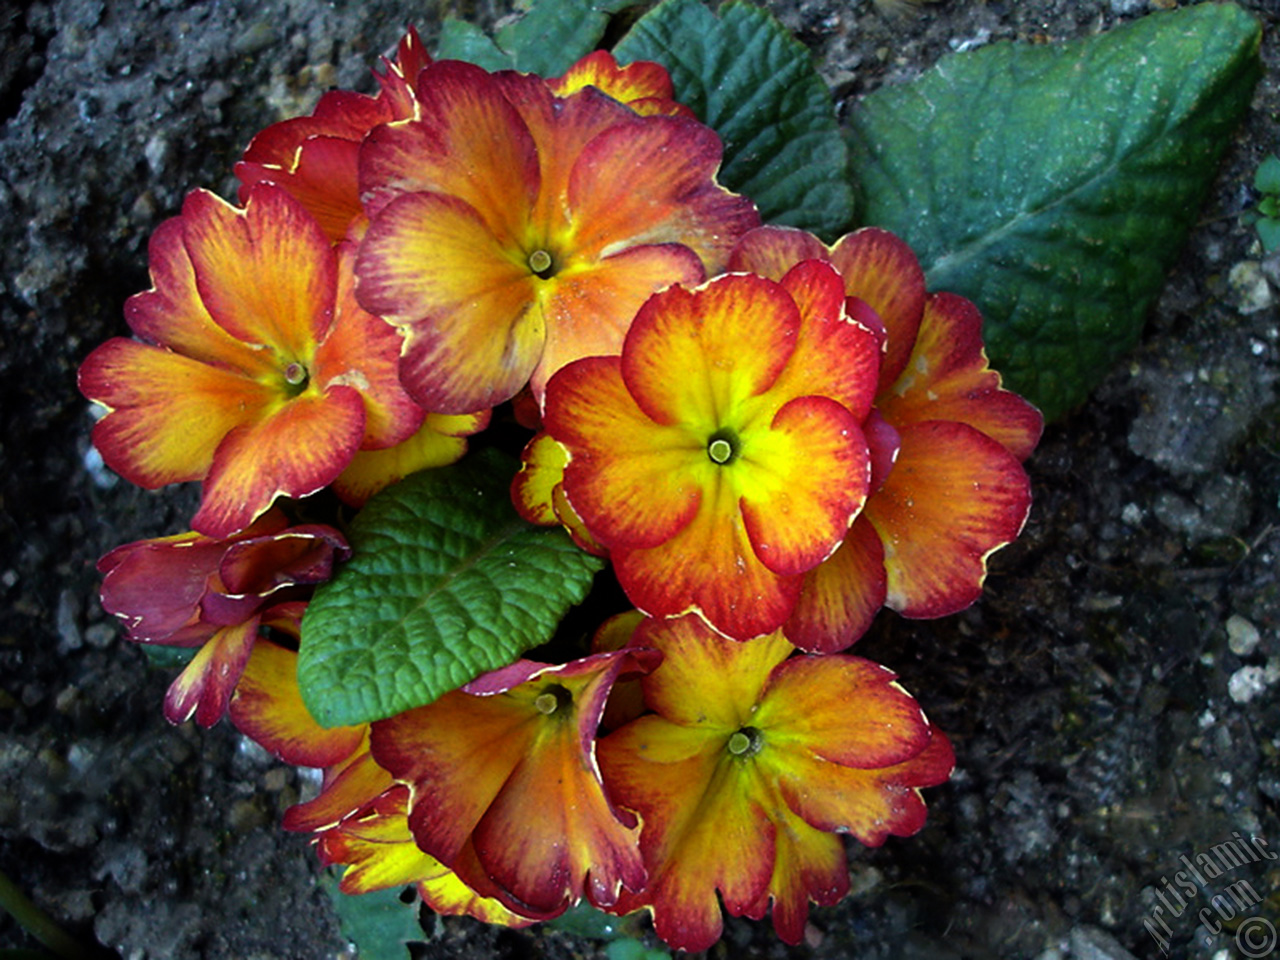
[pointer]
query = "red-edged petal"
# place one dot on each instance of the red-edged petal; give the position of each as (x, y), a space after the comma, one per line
(696, 356)
(703, 828)
(633, 482)
(947, 378)
(473, 330)
(299, 448)
(348, 788)
(588, 310)
(467, 141)
(266, 273)
(835, 355)
(869, 804)
(841, 708)
(709, 568)
(729, 677)
(841, 595)
(496, 767)
(322, 176)
(636, 81)
(204, 687)
(809, 475)
(166, 413)
(810, 866)
(953, 498)
(267, 707)
(771, 251)
(883, 271)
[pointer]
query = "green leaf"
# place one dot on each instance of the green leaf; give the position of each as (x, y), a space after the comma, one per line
(1269, 233)
(463, 40)
(554, 34)
(1267, 179)
(446, 582)
(1054, 186)
(378, 923)
(751, 81)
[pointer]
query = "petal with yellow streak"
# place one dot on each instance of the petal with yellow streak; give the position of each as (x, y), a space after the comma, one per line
(467, 306)
(267, 707)
(204, 687)
(948, 378)
(633, 482)
(466, 141)
(953, 498)
(440, 441)
(266, 273)
(166, 413)
(296, 449)
(801, 483)
(841, 595)
(652, 180)
(695, 357)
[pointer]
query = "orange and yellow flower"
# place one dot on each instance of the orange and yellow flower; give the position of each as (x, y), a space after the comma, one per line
(504, 785)
(751, 764)
(947, 442)
(512, 231)
(256, 371)
(190, 590)
(722, 456)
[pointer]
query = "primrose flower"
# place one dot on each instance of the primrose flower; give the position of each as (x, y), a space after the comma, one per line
(256, 372)
(504, 785)
(512, 231)
(749, 766)
(722, 455)
(947, 442)
(360, 818)
(315, 157)
(190, 590)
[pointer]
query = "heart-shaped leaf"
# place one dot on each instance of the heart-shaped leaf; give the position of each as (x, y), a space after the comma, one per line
(1055, 185)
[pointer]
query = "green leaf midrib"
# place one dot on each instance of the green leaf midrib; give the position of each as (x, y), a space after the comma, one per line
(501, 536)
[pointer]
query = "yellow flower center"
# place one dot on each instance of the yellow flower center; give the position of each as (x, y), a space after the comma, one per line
(296, 378)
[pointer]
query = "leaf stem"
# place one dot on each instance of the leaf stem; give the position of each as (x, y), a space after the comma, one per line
(39, 924)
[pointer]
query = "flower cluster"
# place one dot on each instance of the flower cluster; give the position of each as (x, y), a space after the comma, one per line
(769, 438)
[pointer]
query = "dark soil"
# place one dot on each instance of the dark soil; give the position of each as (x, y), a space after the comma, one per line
(1112, 698)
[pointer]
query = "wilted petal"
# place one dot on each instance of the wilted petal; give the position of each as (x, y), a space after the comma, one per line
(204, 687)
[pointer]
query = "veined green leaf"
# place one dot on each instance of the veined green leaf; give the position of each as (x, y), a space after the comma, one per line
(748, 78)
(1055, 185)
(446, 582)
